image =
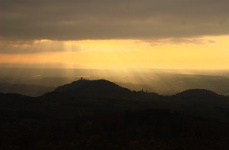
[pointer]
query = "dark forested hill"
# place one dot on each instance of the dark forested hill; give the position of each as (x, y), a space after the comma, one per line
(94, 88)
(102, 115)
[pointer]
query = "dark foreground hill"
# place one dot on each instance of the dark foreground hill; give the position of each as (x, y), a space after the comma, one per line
(94, 88)
(99, 114)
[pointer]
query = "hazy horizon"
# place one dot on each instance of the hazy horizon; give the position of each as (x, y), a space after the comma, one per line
(164, 82)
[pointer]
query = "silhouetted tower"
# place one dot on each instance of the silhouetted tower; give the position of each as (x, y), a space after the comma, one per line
(81, 78)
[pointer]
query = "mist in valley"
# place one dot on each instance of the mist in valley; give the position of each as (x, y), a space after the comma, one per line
(37, 81)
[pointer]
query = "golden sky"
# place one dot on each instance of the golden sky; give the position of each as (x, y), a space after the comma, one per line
(115, 34)
(210, 52)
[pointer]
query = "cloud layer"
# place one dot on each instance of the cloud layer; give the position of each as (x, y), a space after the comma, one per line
(112, 19)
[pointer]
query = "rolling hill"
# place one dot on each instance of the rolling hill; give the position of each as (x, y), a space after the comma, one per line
(85, 114)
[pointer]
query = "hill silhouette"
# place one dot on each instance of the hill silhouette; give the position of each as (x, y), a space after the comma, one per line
(197, 93)
(94, 88)
(99, 114)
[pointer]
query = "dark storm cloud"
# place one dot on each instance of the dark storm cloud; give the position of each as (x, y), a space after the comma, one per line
(112, 19)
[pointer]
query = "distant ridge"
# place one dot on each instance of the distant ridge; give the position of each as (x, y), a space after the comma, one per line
(103, 94)
(14, 99)
(97, 88)
(197, 92)
(199, 96)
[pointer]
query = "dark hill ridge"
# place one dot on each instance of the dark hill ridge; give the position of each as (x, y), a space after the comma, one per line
(197, 92)
(201, 102)
(94, 88)
(12, 99)
(105, 88)
(113, 117)
(201, 96)
(106, 95)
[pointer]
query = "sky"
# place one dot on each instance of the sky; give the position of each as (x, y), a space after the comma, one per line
(115, 34)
